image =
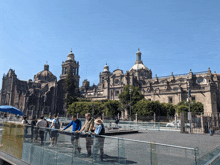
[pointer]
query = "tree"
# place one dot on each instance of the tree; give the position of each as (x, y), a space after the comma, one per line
(136, 95)
(70, 89)
(170, 109)
(197, 107)
(112, 107)
(148, 108)
(194, 106)
(182, 108)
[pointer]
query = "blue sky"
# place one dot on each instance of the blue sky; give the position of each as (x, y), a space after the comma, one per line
(173, 35)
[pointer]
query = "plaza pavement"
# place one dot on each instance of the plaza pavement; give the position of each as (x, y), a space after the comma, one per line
(204, 142)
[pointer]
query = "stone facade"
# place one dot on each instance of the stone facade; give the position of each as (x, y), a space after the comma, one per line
(43, 95)
(204, 86)
(46, 95)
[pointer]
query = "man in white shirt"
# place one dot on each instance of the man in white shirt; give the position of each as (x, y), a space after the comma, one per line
(48, 131)
(41, 124)
(55, 127)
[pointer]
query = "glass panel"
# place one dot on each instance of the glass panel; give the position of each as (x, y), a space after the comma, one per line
(170, 154)
(105, 150)
(27, 144)
(136, 152)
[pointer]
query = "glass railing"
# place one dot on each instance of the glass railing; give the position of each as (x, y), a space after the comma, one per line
(34, 146)
(132, 125)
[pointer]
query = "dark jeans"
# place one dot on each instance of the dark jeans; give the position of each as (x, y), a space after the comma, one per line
(98, 146)
(34, 133)
(89, 143)
(75, 142)
(41, 132)
(25, 131)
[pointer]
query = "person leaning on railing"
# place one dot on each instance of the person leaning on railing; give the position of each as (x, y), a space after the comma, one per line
(76, 126)
(99, 140)
(41, 124)
(88, 127)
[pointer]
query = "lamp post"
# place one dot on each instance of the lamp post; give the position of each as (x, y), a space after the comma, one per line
(130, 101)
(189, 114)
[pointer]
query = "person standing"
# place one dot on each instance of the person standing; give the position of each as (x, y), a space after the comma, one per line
(34, 130)
(76, 126)
(48, 131)
(99, 140)
(54, 132)
(116, 121)
(88, 127)
(25, 123)
(41, 124)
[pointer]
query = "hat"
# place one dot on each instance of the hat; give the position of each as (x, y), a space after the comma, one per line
(98, 121)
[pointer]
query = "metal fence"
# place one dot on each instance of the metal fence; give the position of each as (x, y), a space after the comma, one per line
(116, 150)
(200, 123)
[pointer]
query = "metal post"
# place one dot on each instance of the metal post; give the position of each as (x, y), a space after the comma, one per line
(151, 162)
(190, 117)
(118, 152)
(130, 102)
(195, 152)
(189, 107)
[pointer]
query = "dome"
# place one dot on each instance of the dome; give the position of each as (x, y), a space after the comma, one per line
(138, 66)
(138, 63)
(70, 56)
(45, 75)
(106, 68)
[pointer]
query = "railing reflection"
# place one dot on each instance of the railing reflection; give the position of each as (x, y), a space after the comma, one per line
(70, 148)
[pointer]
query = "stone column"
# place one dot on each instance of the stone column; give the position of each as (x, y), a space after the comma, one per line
(136, 118)
(202, 124)
(175, 120)
(122, 115)
(217, 121)
(126, 114)
(182, 118)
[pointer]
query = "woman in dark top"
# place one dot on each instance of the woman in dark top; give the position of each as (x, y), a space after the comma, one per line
(34, 130)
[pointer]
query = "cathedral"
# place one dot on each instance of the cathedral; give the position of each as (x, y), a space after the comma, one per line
(42, 95)
(204, 86)
(45, 95)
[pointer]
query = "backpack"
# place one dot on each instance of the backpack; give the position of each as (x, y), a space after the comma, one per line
(57, 124)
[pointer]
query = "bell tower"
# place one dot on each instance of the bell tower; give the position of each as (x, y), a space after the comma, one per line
(70, 64)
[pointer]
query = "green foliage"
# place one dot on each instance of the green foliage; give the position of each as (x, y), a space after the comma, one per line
(170, 109)
(197, 107)
(70, 88)
(136, 95)
(109, 107)
(81, 99)
(182, 108)
(194, 106)
(148, 108)
(112, 107)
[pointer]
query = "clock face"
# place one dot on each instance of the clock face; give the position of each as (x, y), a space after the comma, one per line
(117, 81)
(200, 80)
